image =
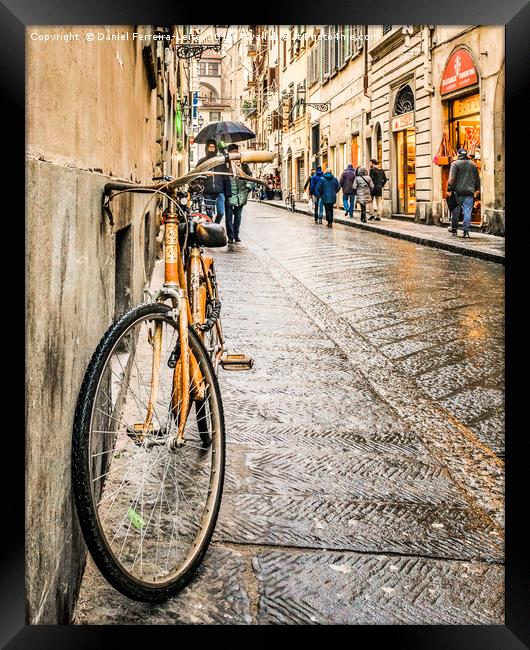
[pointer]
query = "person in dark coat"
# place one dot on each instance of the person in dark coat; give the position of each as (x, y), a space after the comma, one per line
(379, 179)
(464, 183)
(216, 188)
(363, 186)
(319, 207)
(326, 190)
(348, 194)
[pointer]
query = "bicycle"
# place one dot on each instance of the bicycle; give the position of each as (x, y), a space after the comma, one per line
(290, 201)
(148, 444)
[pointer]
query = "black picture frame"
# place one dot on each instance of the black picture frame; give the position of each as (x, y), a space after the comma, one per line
(515, 15)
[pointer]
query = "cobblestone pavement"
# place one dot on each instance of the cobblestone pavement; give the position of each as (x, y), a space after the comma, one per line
(363, 478)
(479, 244)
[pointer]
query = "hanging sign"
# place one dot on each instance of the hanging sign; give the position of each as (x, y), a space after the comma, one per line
(194, 109)
(178, 120)
(403, 121)
(460, 72)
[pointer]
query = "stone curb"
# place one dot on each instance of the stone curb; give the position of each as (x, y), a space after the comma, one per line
(453, 248)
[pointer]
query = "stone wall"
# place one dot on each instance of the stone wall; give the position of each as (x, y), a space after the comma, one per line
(91, 116)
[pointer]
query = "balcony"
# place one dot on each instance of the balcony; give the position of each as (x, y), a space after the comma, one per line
(214, 102)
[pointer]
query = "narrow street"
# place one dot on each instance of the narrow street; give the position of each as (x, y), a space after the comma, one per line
(364, 459)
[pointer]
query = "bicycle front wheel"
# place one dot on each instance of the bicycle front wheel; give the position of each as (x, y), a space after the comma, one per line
(147, 510)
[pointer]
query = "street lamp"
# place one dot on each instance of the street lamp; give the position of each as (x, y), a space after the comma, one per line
(200, 121)
(195, 49)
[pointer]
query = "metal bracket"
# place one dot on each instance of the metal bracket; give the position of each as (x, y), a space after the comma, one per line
(107, 210)
(320, 106)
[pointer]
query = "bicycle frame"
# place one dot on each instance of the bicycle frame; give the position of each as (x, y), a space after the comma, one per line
(177, 286)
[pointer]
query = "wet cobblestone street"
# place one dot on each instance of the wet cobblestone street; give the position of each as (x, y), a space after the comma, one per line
(364, 449)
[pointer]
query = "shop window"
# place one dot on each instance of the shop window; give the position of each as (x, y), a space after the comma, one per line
(463, 115)
(355, 150)
(315, 140)
(406, 171)
(300, 176)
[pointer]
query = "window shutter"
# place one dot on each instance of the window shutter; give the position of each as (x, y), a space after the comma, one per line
(326, 52)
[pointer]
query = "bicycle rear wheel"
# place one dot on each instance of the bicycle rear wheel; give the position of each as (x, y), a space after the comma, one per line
(147, 513)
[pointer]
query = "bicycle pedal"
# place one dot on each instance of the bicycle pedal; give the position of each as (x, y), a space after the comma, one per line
(236, 362)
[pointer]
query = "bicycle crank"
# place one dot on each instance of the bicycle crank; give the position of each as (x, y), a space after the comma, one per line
(236, 362)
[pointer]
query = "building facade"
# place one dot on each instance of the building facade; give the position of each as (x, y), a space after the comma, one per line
(81, 272)
(408, 96)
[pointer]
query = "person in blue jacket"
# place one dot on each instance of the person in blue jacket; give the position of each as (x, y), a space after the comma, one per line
(319, 208)
(326, 191)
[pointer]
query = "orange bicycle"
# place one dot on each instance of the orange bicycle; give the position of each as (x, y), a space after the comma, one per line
(148, 446)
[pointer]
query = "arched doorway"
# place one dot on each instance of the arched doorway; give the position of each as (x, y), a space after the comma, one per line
(405, 148)
(459, 89)
(496, 220)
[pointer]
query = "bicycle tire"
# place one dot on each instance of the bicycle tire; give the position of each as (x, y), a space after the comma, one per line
(96, 539)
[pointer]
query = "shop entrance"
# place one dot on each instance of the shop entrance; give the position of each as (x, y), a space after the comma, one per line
(300, 177)
(463, 120)
(355, 150)
(406, 171)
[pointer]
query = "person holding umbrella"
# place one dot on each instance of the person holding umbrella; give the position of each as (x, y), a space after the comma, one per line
(215, 135)
(216, 188)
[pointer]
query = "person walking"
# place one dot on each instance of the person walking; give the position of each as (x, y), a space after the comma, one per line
(326, 191)
(319, 208)
(348, 193)
(239, 191)
(216, 188)
(363, 186)
(306, 189)
(379, 179)
(463, 185)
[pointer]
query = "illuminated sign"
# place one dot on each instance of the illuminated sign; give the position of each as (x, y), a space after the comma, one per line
(403, 121)
(460, 72)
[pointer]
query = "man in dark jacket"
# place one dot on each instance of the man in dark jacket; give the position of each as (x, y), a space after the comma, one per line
(319, 207)
(464, 182)
(326, 190)
(348, 193)
(216, 188)
(379, 179)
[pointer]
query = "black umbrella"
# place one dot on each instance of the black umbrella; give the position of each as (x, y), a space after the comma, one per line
(225, 131)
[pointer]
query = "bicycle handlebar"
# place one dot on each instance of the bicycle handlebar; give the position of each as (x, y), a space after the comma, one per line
(210, 163)
(255, 156)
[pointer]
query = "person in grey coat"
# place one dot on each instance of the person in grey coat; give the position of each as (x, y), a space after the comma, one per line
(363, 186)
(464, 183)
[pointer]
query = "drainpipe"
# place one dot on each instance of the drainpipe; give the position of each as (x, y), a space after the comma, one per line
(365, 47)
(427, 51)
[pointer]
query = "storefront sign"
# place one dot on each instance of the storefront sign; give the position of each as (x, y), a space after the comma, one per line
(460, 72)
(403, 121)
